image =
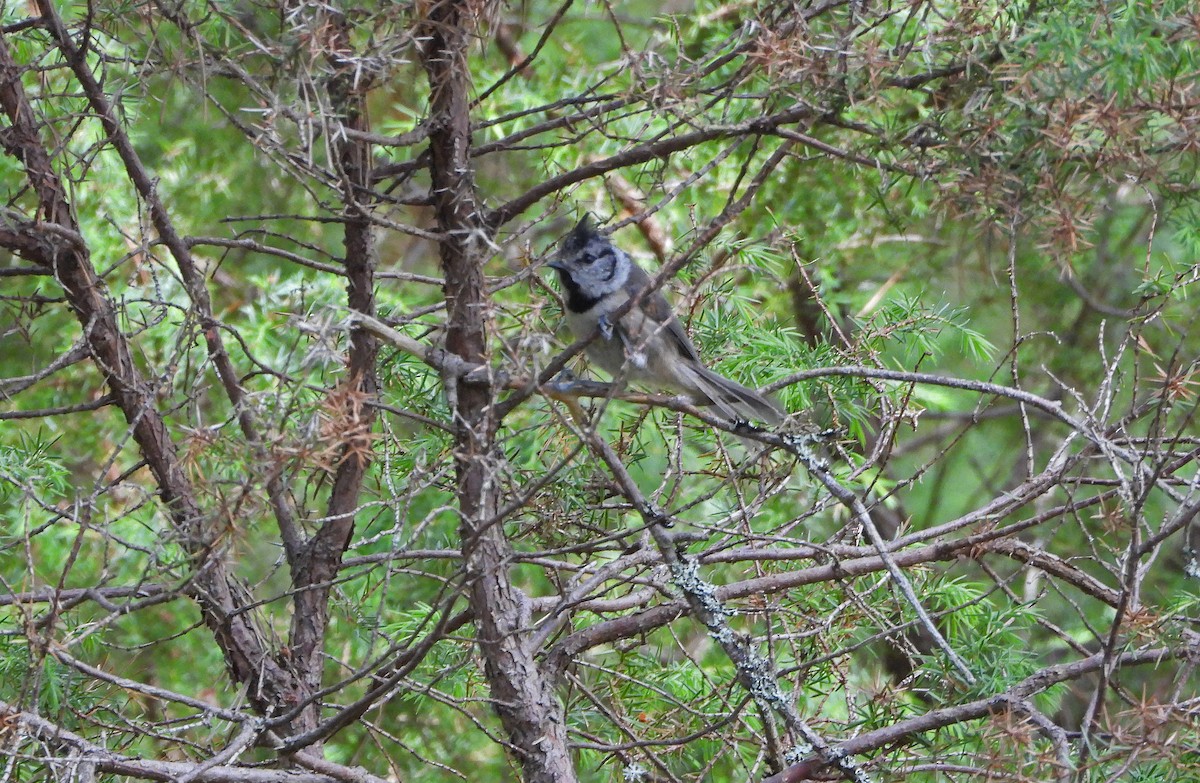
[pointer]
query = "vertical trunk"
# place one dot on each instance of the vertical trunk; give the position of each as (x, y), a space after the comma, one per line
(317, 567)
(522, 694)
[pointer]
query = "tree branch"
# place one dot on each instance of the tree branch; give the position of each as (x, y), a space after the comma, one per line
(521, 693)
(214, 588)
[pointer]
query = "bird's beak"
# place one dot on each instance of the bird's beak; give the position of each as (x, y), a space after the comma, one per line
(556, 264)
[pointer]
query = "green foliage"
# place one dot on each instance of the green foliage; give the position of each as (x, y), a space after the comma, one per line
(986, 191)
(20, 674)
(990, 634)
(31, 469)
(910, 328)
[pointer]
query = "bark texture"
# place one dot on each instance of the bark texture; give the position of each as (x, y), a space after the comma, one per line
(521, 692)
(56, 244)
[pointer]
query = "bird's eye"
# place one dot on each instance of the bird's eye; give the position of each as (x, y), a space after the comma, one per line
(587, 259)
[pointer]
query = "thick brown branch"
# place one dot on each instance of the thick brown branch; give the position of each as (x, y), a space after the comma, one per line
(659, 148)
(841, 568)
(217, 594)
(521, 692)
(193, 279)
(907, 730)
(317, 565)
(96, 758)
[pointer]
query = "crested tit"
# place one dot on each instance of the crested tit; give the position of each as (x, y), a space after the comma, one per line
(648, 343)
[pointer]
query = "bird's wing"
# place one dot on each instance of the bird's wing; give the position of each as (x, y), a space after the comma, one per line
(658, 309)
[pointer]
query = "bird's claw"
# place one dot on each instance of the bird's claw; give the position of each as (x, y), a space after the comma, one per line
(563, 381)
(656, 516)
(605, 327)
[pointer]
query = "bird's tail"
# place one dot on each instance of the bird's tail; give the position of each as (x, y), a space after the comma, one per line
(733, 399)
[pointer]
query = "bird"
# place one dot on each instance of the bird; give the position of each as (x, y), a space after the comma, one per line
(647, 344)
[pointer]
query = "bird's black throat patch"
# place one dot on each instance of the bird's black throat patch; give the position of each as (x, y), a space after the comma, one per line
(577, 300)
